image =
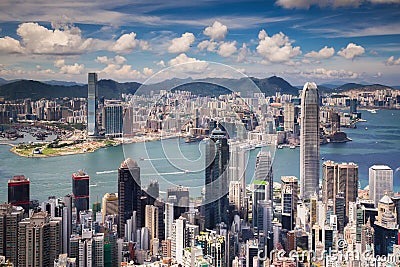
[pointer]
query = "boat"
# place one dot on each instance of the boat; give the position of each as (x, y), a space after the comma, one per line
(373, 111)
(292, 146)
(141, 158)
(191, 139)
(280, 146)
(366, 128)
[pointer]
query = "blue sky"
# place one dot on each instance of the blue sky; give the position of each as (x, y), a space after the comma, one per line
(300, 40)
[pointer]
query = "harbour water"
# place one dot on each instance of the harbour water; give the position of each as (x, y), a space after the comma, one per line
(376, 141)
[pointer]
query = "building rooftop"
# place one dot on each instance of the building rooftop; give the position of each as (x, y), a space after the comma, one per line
(386, 200)
(289, 179)
(380, 167)
(129, 163)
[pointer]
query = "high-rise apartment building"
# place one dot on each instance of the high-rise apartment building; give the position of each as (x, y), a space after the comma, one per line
(39, 240)
(109, 204)
(10, 216)
(80, 190)
(129, 193)
(309, 141)
(18, 192)
(380, 180)
(289, 117)
(151, 221)
(216, 179)
(92, 105)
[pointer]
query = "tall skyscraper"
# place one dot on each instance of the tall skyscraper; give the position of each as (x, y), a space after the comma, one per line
(262, 187)
(113, 118)
(340, 178)
(380, 180)
(289, 118)
(10, 216)
(18, 192)
(129, 193)
(309, 141)
(67, 223)
(168, 219)
(109, 205)
(92, 105)
(80, 190)
(216, 180)
(263, 172)
(151, 221)
(385, 227)
(289, 201)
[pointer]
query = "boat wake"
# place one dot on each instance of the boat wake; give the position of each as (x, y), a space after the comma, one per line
(105, 172)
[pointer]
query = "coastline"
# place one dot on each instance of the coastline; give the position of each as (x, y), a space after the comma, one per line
(80, 148)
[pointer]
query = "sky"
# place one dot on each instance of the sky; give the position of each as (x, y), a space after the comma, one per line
(326, 41)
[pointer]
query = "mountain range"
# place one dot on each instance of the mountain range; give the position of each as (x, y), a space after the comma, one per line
(109, 89)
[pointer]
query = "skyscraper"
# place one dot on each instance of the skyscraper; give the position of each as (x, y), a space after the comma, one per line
(80, 190)
(289, 118)
(262, 187)
(112, 118)
(289, 201)
(216, 179)
(92, 105)
(10, 216)
(129, 193)
(39, 240)
(380, 180)
(340, 178)
(18, 192)
(109, 205)
(263, 172)
(67, 223)
(309, 141)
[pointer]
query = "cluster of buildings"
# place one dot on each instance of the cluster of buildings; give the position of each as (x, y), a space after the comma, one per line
(297, 222)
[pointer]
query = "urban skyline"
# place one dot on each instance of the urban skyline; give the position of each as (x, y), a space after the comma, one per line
(204, 165)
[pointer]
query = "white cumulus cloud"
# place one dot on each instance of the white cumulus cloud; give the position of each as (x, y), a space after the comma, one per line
(276, 48)
(217, 31)
(323, 53)
(10, 45)
(211, 46)
(323, 73)
(190, 64)
(226, 49)
(243, 52)
(161, 63)
(181, 44)
(127, 43)
(392, 61)
(351, 51)
(69, 69)
(119, 60)
(66, 39)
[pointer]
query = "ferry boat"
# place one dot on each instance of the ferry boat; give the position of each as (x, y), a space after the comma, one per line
(191, 139)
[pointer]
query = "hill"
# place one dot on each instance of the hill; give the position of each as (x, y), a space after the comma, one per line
(36, 90)
(110, 89)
